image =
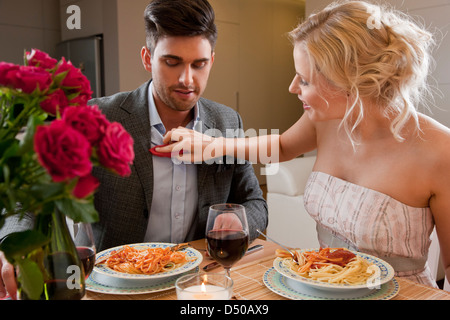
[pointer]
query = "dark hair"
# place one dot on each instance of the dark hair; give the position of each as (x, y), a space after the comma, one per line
(186, 18)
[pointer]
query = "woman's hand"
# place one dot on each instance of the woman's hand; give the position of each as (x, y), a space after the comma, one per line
(191, 146)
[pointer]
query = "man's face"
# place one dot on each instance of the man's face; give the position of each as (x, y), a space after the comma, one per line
(180, 69)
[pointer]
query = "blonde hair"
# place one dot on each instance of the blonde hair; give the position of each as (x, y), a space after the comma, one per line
(371, 52)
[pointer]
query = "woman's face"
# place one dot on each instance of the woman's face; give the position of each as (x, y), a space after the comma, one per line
(322, 101)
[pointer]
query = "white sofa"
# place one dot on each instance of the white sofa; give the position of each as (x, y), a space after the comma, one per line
(435, 263)
(289, 223)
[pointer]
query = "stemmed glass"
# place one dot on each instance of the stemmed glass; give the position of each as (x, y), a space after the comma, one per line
(227, 234)
(83, 238)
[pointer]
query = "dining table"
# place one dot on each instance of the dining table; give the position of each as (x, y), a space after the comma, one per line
(248, 274)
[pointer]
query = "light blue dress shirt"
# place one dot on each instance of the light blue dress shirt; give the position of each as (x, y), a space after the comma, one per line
(175, 195)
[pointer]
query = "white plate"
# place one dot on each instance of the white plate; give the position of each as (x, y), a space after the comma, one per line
(387, 273)
(295, 290)
(101, 283)
(191, 254)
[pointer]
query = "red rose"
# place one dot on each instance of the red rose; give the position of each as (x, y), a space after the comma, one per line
(7, 72)
(63, 151)
(87, 120)
(30, 78)
(115, 151)
(80, 100)
(54, 102)
(85, 186)
(75, 81)
(27, 79)
(41, 59)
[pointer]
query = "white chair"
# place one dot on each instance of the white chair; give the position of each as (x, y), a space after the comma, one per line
(289, 223)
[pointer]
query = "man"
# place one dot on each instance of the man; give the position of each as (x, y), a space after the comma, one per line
(161, 200)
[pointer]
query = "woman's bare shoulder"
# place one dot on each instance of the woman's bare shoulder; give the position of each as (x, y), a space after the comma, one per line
(433, 132)
(434, 139)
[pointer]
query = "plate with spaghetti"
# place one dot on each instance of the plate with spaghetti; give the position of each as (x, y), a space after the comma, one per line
(294, 290)
(101, 283)
(335, 269)
(145, 261)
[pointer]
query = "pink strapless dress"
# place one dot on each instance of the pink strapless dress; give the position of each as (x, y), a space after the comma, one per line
(371, 222)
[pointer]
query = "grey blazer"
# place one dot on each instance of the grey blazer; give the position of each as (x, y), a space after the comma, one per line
(124, 203)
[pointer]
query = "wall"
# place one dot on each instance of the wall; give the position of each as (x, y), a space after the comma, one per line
(253, 66)
(266, 63)
(131, 37)
(27, 24)
(97, 17)
(435, 15)
(122, 24)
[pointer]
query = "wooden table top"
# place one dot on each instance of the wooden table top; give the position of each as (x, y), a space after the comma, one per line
(248, 275)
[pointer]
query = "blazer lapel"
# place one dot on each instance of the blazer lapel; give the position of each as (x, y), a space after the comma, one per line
(138, 124)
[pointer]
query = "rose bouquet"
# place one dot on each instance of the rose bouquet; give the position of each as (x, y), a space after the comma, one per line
(47, 164)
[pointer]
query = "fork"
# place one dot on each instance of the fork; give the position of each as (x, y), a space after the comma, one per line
(284, 247)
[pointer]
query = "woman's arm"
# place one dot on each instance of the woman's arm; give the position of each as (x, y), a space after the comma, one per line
(440, 204)
(298, 139)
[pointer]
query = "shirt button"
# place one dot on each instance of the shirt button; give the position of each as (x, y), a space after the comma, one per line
(178, 188)
(177, 216)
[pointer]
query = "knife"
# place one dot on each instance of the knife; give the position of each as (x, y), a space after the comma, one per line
(215, 264)
(269, 238)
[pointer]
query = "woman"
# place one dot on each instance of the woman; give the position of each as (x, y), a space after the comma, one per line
(381, 180)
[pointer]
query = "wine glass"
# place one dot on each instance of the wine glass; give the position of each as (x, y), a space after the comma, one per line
(227, 234)
(83, 238)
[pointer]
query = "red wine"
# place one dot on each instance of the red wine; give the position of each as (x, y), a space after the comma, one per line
(227, 246)
(58, 290)
(87, 257)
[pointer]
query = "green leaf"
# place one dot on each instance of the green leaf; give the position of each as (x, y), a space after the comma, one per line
(11, 148)
(5, 145)
(18, 244)
(10, 166)
(5, 174)
(42, 191)
(78, 210)
(60, 77)
(30, 278)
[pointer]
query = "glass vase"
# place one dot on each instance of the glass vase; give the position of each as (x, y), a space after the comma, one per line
(58, 261)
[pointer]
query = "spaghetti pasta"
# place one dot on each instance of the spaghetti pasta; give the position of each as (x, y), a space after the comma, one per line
(145, 261)
(337, 265)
